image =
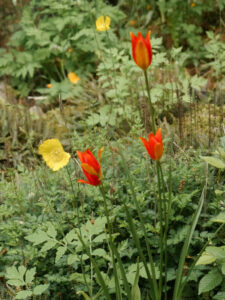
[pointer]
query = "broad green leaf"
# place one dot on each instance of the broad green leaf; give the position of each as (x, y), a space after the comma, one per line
(30, 275)
(209, 282)
(217, 252)
(214, 161)
(205, 259)
(23, 295)
(40, 289)
(220, 218)
(60, 252)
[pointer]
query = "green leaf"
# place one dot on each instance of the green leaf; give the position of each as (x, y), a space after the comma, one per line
(30, 275)
(219, 296)
(220, 218)
(223, 268)
(214, 161)
(21, 270)
(205, 259)
(86, 297)
(51, 231)
(48, 245)
(70, 236)
(72, 258)
(217, 252)
(209, 282)
(40, 289)
(15, 277)
(23, 294)
(60, 252)
(135, 291)
(102, 253)
(38, 237)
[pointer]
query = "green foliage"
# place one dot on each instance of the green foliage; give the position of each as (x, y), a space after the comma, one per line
(23, 277)
(52, 40)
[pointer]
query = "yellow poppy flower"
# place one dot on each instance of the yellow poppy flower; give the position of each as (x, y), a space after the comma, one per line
(53, 154)
(73, 78)
(48, 85)
(102, 23)
(193, 4)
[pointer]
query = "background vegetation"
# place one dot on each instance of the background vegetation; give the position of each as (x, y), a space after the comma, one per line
(41, 42)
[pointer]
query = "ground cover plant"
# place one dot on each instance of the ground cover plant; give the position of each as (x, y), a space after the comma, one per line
(112, 185)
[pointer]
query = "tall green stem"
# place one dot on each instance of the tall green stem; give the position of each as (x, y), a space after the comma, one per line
(150, 102)
(152, 277)
(117, 285)
(160, 210)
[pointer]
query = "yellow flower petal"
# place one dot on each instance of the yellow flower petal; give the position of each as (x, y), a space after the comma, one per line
(53, 154)
(73, 78)
(103, 23)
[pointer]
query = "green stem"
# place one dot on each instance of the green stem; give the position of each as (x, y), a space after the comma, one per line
(152, 112)
(74, 197)
(98, 273)
(152, 279)
(160, 210)
(112, 248)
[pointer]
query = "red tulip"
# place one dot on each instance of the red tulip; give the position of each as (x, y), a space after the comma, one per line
(90, 167)
(141, 50)
(154, 145)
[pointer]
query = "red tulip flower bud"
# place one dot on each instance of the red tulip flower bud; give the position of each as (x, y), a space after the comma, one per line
(90, 167)
(154, 145)
(141, 50)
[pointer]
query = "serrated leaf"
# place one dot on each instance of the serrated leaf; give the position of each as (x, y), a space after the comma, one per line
(21, 270)
(214, 161)
(70, 236)
(15, 282)
(51, 231)
(209, 282)
(48, 245)
(30, 275)
(14, 276)
(23, 295)
(60, 252)
(72, 258)
(100, 238)
(40, 289)
(37, 237)
(101, 252)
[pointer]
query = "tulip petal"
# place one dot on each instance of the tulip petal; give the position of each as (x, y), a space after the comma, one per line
(89, 169)
(158, 135)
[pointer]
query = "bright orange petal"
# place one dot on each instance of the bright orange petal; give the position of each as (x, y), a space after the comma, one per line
(89, 169)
